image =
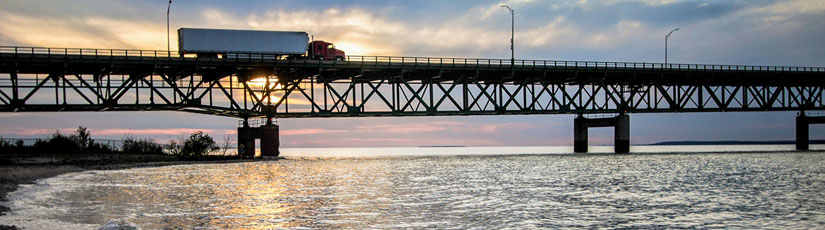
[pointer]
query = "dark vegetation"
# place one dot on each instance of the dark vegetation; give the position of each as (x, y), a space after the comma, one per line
(197, 146)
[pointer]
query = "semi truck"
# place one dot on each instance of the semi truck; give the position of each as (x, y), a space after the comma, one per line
(246, 43)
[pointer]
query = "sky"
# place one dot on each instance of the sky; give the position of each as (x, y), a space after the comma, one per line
(752, 32)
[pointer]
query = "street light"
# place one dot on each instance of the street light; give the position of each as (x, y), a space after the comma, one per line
(666, 37)
(169, 7)
(512, 33)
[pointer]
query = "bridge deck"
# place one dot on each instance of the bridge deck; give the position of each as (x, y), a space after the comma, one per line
(373, 68)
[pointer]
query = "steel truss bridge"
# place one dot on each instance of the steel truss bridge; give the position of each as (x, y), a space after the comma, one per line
(253, 85)
(249, 85)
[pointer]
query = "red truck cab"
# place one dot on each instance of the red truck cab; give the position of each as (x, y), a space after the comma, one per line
(324, 51)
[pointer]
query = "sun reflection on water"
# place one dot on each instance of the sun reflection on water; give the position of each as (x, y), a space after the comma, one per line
(628, 191)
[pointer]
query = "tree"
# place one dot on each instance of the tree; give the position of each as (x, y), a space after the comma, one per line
(133, 145)
(58, 144)
(225, 146)
(83, 138)
(197, 145)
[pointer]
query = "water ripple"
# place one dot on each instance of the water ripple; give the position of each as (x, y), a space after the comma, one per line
(607, 191)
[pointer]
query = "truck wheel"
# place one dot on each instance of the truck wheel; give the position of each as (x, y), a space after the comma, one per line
(339, 58)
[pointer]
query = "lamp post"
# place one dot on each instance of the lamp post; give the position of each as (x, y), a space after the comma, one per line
(512, 33)
(169, 7)
(666, 37)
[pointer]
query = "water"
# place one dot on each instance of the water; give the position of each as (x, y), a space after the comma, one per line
(767, 189)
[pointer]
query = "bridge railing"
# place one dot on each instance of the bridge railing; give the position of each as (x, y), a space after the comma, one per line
(521, 64)
(86, 52)
(164, 55)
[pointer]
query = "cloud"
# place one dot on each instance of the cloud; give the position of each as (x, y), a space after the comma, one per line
(308, 132)
(401, 128)
(86, 32)
(33, 132)
(152, 132)
(582, 30)
(791, 7)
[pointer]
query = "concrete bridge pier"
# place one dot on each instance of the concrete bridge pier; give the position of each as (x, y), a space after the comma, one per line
(621, 132)
(270, 140)
(268, 135)
(246, 140)
(802, 129)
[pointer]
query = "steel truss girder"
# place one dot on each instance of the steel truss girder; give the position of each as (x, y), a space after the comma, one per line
(392, 96)
(411, 87)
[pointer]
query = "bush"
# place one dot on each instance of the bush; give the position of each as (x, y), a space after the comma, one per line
(83, 138)
(6, 146)
(57, 144)
(196, 146)
(132, 145)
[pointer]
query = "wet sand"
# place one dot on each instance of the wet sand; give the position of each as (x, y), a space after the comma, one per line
(27, 169)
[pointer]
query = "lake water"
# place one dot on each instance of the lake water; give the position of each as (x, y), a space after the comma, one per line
(460, 188)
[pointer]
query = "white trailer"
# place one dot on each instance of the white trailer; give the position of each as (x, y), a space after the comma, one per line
(212, 42)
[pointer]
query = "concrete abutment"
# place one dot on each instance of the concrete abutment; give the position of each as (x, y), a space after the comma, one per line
(268, 134)
(803, 123)
(621, 132)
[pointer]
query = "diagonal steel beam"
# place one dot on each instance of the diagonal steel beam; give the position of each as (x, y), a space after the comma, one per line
(256, 101)
(89, 87)
(309, 98)
(447, 95)
(375, 88)
(174, 86)
(512, 96)
(415, 93)
(228, 95)
(123, 89)
(38, 86)
(5, 97)
(78, 91)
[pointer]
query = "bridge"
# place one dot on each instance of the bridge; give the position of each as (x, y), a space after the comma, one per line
(38, 79)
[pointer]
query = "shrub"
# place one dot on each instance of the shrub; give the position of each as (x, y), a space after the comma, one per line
(196, 146)
(132, 145)
(7, 147)
(82, 137)
(57, 144)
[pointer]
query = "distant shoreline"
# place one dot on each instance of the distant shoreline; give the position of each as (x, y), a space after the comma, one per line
(781, 142)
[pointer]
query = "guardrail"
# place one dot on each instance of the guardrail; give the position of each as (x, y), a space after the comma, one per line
(407, 61)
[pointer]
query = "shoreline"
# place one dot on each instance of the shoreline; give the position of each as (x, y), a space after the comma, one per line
(27, 169)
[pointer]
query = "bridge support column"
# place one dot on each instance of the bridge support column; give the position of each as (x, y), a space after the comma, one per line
(268, 134)
(802, 132)
(269, 140)
(246, 141)
(802, 129)
(621, 132)
(580, 134)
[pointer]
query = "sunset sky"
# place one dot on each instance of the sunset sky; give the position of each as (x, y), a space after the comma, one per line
(752, 32)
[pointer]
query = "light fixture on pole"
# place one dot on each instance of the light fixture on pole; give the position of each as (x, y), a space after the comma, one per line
(512, 33)
(666, 37)
(169, 7)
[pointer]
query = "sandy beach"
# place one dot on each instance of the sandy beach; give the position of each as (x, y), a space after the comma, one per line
(27, 169)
